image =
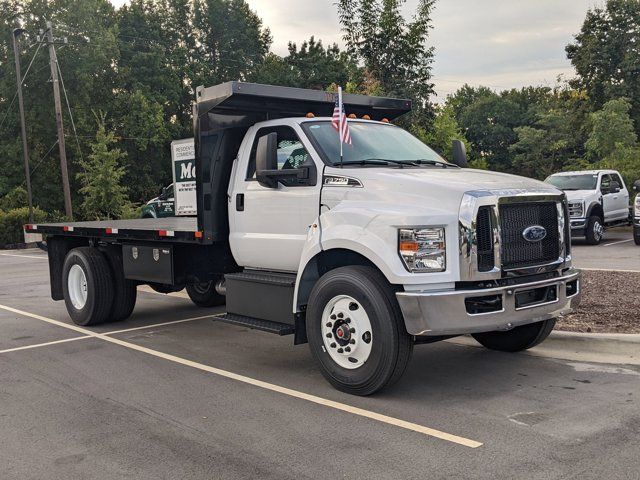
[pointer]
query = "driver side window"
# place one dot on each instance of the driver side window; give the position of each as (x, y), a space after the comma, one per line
(605, 184)
(291, 153)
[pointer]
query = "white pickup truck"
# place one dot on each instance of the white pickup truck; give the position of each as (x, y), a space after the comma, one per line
(597, 199)
(362, 257)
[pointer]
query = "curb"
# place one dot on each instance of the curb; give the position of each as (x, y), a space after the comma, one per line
(611, 348)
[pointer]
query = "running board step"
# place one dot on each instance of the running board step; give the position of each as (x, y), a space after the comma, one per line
(257, 324)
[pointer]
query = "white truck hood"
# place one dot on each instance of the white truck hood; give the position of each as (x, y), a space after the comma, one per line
(578, 194)
(431, 188)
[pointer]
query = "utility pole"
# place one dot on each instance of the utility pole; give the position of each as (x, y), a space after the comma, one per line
(58, 106)
(23, 128)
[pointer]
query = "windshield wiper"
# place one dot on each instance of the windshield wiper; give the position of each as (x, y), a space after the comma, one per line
(424, 161)
(369, 161)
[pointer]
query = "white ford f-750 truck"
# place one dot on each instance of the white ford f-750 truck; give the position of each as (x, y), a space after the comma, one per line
(362, 258)
(597, 199)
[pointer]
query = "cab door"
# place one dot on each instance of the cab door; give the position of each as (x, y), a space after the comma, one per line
(269, 226)
(614, 201)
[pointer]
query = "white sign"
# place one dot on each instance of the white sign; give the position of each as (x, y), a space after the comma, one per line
(184, 176)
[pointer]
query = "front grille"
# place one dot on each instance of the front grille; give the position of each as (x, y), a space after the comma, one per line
(484, 238)
(516, 251)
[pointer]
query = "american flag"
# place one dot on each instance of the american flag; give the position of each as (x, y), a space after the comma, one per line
(339, 120)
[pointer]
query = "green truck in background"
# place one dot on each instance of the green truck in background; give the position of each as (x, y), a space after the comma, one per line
(161, 206)
(179, 198)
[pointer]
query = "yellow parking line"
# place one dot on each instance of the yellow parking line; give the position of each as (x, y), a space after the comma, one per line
(265, 385)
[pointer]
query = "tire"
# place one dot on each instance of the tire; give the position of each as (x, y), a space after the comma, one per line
(124, 291)
(594, 230)
(87, 270)
(364, 294)
(518, 339)
(636, 235)
(205, 294)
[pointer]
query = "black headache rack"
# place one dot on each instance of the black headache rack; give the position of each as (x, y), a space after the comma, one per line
(224, 113)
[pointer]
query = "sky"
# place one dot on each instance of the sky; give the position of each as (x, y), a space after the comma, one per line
(496, 43)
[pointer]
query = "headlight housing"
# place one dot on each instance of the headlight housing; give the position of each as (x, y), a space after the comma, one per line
(423, 249)
(576, 209)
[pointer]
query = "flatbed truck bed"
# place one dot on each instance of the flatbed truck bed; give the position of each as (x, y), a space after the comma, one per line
(174, 229)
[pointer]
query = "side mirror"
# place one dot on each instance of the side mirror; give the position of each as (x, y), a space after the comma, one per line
(460, 154)
(267, 160)
(636, 186)
(615, 187)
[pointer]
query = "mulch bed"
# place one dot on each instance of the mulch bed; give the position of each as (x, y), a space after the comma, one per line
(610, 304)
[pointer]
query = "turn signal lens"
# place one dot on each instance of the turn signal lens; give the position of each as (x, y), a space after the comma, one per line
(423, 249)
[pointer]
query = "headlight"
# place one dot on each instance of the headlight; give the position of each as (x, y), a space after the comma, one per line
(423, 249)
(576, 209)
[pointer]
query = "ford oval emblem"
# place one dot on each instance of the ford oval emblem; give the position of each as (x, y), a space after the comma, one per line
(534, 233)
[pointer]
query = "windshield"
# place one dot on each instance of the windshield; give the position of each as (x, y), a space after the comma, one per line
(574, 182)
(371, 144)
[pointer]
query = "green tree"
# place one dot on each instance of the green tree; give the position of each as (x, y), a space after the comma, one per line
(309, 66)
(104, 197)
(443, 131)
(612, 129)
(606, 57)
(393, 51)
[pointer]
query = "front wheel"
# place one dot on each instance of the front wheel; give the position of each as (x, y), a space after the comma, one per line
(356, 331)
(594, 230)
(205, 294)
(518, 339)
(636, 235)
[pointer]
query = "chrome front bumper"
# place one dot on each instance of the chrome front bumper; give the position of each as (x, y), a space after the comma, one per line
(446, 312)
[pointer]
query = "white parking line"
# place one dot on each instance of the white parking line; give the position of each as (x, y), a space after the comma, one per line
(39, 257)
(616, 243)
(264, 385)
(46, 344)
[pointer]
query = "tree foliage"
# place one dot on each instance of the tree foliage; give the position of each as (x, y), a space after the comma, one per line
(104, 196)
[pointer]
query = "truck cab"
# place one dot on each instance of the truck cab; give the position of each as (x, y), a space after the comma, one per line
(597, 199)
(362, 255)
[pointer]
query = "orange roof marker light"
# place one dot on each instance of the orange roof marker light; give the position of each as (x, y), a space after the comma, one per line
(352, 115)
(385, 120)
(197, 234)
(366, 117)
(310, 115)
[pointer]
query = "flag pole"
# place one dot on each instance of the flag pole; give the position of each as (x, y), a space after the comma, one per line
(341, 107)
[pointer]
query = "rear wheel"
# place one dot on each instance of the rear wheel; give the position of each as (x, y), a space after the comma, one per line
(520, 338)
(594, 230)
(124, 291)
(356, 331)
(205, 294)
(87, 286)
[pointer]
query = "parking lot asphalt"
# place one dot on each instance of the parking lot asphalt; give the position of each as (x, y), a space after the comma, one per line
(616, 252)
(203, 399)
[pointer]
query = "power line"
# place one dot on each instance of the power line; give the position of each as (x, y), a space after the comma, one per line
(15, 95)
(73, 123)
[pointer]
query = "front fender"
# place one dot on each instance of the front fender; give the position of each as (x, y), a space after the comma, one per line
(372, 232)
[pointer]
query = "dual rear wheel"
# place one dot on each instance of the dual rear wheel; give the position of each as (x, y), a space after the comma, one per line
(95, 290)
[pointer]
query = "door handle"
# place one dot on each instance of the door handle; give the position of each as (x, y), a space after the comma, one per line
(240, 202)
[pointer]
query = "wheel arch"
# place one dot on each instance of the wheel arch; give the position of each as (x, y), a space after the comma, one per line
(595, 209)
(323, 262)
